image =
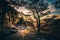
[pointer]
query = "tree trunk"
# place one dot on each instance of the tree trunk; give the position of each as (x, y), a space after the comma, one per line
(38, 22)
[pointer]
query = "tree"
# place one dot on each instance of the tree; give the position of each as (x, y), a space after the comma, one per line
(7, 13)
(3, 6)
(37, 7)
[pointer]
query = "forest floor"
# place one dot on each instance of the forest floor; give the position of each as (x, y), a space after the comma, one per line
(38, 36)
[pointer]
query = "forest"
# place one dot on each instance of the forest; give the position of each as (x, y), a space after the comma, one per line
(29, 20)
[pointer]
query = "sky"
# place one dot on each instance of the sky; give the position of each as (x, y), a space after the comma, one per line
(57, 10)
(51, 1)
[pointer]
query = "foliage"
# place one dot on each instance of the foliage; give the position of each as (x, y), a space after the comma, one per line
(34, 5)
(57, 4)
(8, 14)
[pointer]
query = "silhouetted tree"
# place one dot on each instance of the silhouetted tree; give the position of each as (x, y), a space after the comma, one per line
(36, 7)
(7, 13)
